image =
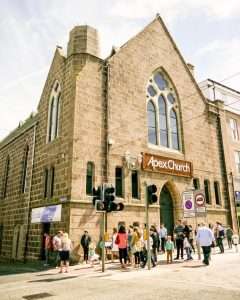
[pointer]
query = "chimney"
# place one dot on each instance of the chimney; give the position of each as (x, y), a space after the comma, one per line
(83, 39)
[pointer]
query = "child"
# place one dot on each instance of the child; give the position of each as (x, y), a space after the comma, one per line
(187, 247)
(93, 257)
(169, 248)
(235, 240)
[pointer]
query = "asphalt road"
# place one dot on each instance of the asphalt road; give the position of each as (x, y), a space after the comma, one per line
(181, 281)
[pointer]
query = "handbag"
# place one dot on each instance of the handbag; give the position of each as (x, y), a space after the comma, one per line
(117, 241)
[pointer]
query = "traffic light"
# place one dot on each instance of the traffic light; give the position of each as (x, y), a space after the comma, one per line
(97, 194)
(109, 197)
(151, 194)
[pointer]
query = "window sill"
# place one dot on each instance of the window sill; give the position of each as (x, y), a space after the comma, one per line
(164, 149)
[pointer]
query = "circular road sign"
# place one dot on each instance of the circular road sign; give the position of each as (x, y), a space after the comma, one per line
(200, 199)
(188, 204)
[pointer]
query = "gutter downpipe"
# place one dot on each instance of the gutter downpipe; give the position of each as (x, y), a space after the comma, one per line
(28, 209)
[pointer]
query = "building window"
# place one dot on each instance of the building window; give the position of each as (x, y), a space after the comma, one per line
(237, 160)
(152, 127)
(162, 106)
(54, 112)
(234, 129)
(89, 178)
(135, 191)
(196, 183)
(46, 175)
(119, 182)
(217, 193)
(207, 191)
(52, 178)
(24, 170)
(6, 177)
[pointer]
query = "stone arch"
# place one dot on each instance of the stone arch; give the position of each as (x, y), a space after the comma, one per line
(170, 204)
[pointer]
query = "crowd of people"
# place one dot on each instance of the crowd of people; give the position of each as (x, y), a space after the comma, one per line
(130, 244)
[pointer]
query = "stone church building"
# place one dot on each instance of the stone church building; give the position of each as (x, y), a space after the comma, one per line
(136, 118)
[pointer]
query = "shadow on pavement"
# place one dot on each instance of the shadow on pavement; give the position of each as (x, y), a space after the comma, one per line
(53, 279)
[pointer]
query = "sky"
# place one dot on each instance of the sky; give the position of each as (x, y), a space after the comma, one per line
(207, 33)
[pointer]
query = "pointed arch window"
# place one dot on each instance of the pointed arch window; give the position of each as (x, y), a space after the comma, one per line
(152, 126)
(163, 121)
(162, 112)
(174, 129)
(6, 177)
(24, 170)
(54, 112)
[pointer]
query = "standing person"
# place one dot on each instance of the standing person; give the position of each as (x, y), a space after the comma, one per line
(179, 239)
(187, 247)
(144, 252)
(229, 234)
(57, 244)
(197, 243)
(47, 247)
(154, 236)
(121, 241)
(186, 229)
(191, 239)
(169, 247)
(129, 248)
(205, 239)
(136, 246)
(235, 239)
(220, 236)
(163, 235)
(114, 248)
(65, 253)
(85, 242)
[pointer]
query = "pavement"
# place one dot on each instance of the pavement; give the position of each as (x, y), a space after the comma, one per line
(181, 280)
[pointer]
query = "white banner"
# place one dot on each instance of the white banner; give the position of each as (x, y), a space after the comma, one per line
(188, 204)
(46, 214)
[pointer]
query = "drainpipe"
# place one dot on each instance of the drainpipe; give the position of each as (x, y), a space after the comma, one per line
(28, 208)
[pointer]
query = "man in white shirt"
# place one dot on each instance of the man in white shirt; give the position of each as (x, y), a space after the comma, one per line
(205, 239)
(57, 244)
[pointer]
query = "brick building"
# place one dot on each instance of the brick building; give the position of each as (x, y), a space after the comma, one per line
(136, 118)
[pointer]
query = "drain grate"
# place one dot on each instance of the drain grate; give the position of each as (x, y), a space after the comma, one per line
(37, 296)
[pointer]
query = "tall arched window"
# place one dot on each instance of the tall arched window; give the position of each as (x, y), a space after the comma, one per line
(6, 177)
(89, 178)
(24, 170)
(54, 111)
(174, 129)
(152, 128)
(163, 121)
(162, 106)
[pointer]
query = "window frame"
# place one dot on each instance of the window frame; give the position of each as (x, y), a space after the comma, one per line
(133, 190)
(166, 92)
(24, 170)
(88, 192)
(207, 187)
(216, 186)
(6, 177)
(119, 179)
(234, 129)
(54, 112)
(195, 179)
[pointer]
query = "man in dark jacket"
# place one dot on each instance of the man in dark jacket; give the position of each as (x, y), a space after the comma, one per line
(154, 236)
(179, 233)
(85, 242)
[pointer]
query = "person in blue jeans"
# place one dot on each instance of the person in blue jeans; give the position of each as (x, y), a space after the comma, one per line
(205, 238)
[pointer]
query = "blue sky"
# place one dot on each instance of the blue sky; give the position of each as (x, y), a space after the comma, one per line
(207, 33)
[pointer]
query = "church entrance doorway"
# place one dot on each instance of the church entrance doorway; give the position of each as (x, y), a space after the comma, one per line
(166, 210)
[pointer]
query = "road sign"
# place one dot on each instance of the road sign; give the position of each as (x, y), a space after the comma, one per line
(188, 204)
(200, 201)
